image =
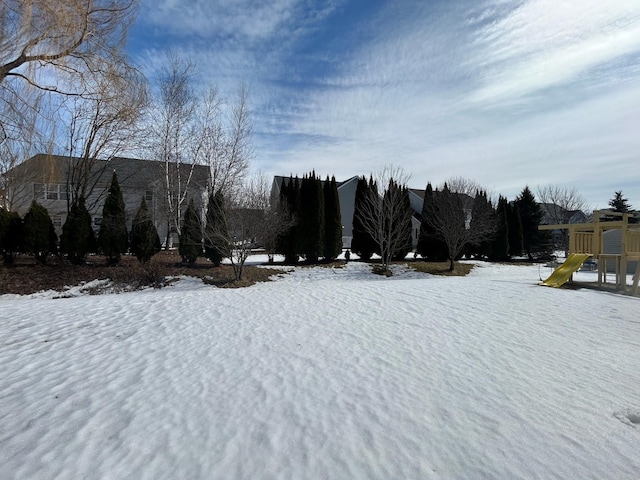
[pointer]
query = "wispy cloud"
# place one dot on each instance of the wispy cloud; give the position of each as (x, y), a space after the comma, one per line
(509, 93)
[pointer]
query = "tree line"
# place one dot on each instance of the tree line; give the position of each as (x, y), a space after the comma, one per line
(35, 234)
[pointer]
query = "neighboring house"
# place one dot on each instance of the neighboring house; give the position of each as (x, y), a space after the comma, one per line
(347, 196)
(47, 179)
(555, 214)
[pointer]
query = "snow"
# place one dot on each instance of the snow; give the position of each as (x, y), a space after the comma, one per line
(325, 373)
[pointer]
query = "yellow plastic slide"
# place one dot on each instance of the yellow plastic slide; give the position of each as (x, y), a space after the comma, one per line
(563, 273)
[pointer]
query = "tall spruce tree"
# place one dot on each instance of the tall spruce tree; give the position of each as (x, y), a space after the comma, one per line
(535, 242)
(362, 243)
(430, 246)
(191, 236)
(619, 203)
(332, 220)
(77, 239)
(288, 243)
(145, 241)
(515, 230)
(40, 237)
(113, 239)
(216, 231)
(500, 244)
(312, 218)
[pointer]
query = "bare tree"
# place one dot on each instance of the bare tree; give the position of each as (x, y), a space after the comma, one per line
(172, 135)
(23, 139)
(386, 215)
(249, 220)
(191, 128)
(60, 46)
(457, 219)
(224, 140)
(560, 204)
(101, 128)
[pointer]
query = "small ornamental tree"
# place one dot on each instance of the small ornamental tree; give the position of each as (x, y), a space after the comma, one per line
(11, 238)
(112, 238)
(332, 220)
(77, 238)
(190, 236)
(40, 239)
(145, 241)
(216, 233)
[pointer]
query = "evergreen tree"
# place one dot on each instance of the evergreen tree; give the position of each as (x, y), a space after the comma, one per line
(480, 210)
(311, 218)
(500, 244)
(430, 246)
(534, 241)
(362, 243)
(514, 225)
(288, 243)
(11, 238)
(113, 239)
(216, 233)
(403, 241)
(40, 237)
(333, 220)
(191, 237)
(145, 241)
(77, 239)
(619, 203)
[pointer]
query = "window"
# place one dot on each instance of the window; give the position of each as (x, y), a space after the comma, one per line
(54, 191)
(148, 196)
(56, 220)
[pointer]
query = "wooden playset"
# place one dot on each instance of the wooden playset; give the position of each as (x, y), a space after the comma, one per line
(587, 240)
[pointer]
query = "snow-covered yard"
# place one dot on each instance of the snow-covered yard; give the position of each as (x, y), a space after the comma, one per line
(324, 374)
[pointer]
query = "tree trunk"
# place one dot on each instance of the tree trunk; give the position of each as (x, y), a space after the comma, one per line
(451, 264)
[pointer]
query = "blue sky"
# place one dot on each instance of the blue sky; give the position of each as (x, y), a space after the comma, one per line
(505, 92)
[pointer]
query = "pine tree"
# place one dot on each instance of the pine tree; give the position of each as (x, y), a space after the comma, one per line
(11, 237)
(191, 237)
(216, 234)
(40, 237)
(534, 241)
(481, 210)
(113, 239)
(312, 218)
(500, 244)
(145, 241)
(362, 243)
(287, 241)
(514, 225)
(77, 238)
(404, 241)
(430, 246)
(333, 220)
(619, 203)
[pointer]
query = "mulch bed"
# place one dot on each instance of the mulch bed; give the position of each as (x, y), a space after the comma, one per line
(27, 277)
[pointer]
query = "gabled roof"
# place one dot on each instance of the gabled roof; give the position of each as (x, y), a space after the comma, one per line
(132, 172)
